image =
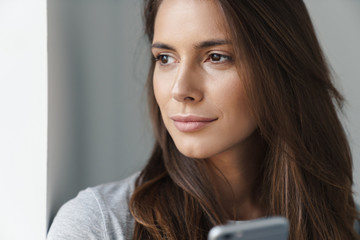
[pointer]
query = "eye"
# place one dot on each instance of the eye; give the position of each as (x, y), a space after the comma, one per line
(164, 59)
(218, 58)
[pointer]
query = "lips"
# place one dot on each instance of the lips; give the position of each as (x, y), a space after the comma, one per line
(191, 123)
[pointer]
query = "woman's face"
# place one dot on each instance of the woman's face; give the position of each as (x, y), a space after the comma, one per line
(196, 83)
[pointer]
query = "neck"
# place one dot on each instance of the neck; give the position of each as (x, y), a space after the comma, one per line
(235, 179)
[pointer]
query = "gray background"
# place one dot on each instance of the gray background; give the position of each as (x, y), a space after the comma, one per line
(98, 125)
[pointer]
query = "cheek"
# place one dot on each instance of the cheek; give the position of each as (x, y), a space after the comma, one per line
(157, 91)
(241, 119)
(229, 94)
(232, 101)
(161, 88)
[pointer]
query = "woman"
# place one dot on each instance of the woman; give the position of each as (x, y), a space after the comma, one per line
(243, 113)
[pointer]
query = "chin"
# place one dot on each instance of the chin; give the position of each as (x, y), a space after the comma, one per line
(194, 155)
(193, 152)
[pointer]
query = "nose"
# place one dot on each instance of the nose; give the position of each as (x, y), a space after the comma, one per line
(187, 86)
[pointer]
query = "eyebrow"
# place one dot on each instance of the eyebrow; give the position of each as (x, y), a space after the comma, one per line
(162, 46)
(212, 43)
(200, 45)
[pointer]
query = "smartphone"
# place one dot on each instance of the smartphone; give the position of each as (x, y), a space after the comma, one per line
(270, 228)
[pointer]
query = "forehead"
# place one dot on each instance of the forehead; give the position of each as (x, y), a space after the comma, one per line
(179, 19)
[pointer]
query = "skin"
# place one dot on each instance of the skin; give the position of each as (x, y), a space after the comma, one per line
(196, 74)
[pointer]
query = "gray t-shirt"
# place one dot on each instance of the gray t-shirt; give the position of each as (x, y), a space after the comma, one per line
(100, 212)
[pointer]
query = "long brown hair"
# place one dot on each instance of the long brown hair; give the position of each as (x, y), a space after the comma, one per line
(306, 174)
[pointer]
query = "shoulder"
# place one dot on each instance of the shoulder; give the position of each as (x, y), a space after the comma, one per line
(100, 212)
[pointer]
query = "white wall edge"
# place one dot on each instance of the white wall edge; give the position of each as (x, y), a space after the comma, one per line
(23, 121)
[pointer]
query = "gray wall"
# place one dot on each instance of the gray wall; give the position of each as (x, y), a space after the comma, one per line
(98, 125)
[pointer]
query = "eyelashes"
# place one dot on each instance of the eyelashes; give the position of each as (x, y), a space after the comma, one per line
(164, 59)
(219, 58)
(214, 58)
